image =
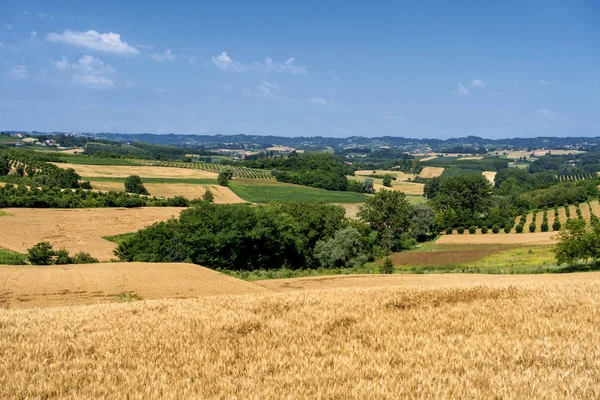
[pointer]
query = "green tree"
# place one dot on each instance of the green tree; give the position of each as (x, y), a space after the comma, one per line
(387, 180)
(577, 243)
(344, 250)
(62, 257)
(4, 165)
(225, 176)
(469, 196)
(208, 196)
(387, 267)
(388, 212)
(41, 254)
(423, 220)
(133, 184)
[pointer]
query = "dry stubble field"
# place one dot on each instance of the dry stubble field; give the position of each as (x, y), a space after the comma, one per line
(496, 337)
(76, 230)
(120, 171)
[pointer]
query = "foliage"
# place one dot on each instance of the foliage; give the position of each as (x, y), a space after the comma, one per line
(4, 165)
(472, 229)
(238, 236)
(460, 230)
(9, 257)
(133, 184)
(62, 257)
(225, 176)
(519, 228)
(343, 250)
(387, 267)
(578, 242)
(387, 181)
(423, 222)
(495, 229)
(449, 230)
(83, 258)
(41, 254)
(484, 229)
(556, 225)
(532, 227)
(366, 186)
(208, 196)
(388, 213)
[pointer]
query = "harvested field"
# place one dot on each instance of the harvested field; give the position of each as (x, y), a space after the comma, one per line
(123, 171)
(408, 187)
(400, 176)
(446, 257)
(490, 175)
(431, 172)
(470, 158)
(537, 153)
(223, 195)
(428, 158)
(351, 209)
(78, 229)
(431, 337)
(66, 285)
(541, 238)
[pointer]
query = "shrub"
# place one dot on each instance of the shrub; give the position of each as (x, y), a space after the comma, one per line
(41, 254)
(344, 250)
(387, 180)
(555, 212)
(84, 258)
(532, 227)
(568, 211)
(208, 196)
(387, 267)
(62, 257)
(544, 226)
(225, 176)
(484, 229)
(507, 229)
(495, 228)
(449, 230)
(519, 228)
(472, 229)
(133, 184)
(460, 230)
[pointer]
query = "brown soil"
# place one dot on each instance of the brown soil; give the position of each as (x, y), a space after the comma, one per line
(537, 238)
(76, 229)
(446, 257)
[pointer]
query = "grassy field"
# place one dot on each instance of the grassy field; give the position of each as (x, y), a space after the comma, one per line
(257, 191)
(86, 160)
(350, 337)
(9, 257)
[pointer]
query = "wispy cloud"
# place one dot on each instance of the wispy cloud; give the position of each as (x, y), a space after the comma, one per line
(390, 115)
(167, 55)
(18, 72)
(45, 16)
(89, 70)
(190, 59)
(552, 116)
(104, 42)
(265, 89)
(318, 100)
(462, 90)
(545, 82)
(224, 62)
(33, 34)
(476, 83)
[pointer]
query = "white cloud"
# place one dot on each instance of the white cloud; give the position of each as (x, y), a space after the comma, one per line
(318, 100)
(62, 64)
(33, 34)
(105, 42)
(130, 83)
(545, 82)
(94, 81)
(476, 83)
(391, 115)
(269, 84)
(19, 72)
(462, 90)
(45, 16)
(265, 90)
(190, 59)
(167, 55)
(226, 63)
(90, 65)
(548, 114)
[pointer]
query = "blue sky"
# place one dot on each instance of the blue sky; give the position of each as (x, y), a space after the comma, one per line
(434, 69)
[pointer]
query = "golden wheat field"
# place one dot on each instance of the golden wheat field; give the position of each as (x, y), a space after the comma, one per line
(431, 172)
(121, 171)
(78, 229)
(223, 195)
(523, 339)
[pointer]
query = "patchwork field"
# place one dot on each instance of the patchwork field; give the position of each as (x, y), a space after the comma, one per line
(431, 172)
(537, 238)
(76, 230)
(406, 187)
(223, 195)
(400, 176)
(350, 337)
(67, 285)
(123, 171)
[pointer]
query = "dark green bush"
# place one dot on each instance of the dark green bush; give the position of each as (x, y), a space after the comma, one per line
(484, 229)
(496, 228)
(83, 258)
(449, 230)
(544, 226)
(387, 267)
(472, 229)
(519, 228)
(41, 254)
(460, 230)
(532, 227)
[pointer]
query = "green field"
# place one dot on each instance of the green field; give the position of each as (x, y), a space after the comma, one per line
(3, 213)
(87, 160)
(118, 239)
(453, 171)
(265, 192)
(9, 257)
(191, 181)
